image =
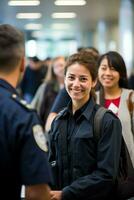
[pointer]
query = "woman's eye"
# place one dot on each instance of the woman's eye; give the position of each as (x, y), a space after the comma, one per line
(103, 68)
(70, 77)
(113, 69)
(83, 79)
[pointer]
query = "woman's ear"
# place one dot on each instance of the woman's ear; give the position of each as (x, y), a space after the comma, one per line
(94, 83)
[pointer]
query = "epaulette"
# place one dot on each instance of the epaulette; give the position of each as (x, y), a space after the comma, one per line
(21, 102)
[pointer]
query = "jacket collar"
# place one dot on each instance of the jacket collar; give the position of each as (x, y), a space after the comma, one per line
(7, 86)
(86, 112)
(89, 109)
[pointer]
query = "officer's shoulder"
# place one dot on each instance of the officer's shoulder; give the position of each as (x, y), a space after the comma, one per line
(21, 102)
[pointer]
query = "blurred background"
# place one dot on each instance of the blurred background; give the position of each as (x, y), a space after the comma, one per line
(60, 27)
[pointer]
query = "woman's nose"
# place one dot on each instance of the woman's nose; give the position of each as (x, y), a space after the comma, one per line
(76, 82)
(108, 71)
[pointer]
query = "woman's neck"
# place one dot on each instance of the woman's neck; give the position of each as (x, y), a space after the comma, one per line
(112, 93)
(76, 105)
(61, 82)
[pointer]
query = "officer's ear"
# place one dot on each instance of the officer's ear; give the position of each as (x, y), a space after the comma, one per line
(22, 65)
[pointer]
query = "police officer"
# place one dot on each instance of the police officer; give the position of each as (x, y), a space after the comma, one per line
(22, 144)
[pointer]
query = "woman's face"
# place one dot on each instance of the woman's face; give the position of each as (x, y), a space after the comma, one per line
(78, 82)
(58, 67)
(108, 76)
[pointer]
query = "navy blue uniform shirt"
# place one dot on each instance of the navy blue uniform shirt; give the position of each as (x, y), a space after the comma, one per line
(83, 168)
(23, 159)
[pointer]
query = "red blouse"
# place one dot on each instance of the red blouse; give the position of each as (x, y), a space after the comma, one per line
(112, 104)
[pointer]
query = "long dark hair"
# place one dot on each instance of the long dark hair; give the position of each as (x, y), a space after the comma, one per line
(114, 60)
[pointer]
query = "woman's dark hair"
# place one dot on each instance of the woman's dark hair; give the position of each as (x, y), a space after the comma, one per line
(86, 59)
(116, 60)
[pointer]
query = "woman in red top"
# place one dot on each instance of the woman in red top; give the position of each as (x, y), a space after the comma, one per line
(113, 94)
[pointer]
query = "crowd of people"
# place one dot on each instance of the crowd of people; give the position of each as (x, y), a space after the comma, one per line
(47, 124)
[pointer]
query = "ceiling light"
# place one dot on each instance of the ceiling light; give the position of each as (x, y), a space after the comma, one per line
(64, 15)
(70, 3)
(38, 34)
(28, 15)
(24, 3)
(60, 26)
(33, 26)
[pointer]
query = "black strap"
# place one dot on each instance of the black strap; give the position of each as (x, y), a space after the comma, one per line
(98, 121)
(97, 134)
(130, 105)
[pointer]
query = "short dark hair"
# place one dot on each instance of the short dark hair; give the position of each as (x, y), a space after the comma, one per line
(34, 59)
(11, 47)
(86, 59)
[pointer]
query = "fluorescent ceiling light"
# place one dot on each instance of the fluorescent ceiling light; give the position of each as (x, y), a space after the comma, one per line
(64, 15)
(70, 3)
(38, 34)
(60, 26)
(28, 15)
(24, 3)
(33, 26)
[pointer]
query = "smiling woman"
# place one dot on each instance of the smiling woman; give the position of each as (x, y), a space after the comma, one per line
(80, 79)
(114, 95)
(79, 168)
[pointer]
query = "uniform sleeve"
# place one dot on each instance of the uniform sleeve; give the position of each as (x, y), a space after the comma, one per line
(38, 97)
(34, 166)
(100, 183)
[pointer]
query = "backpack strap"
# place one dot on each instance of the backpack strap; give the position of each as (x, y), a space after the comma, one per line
(130, 104)
(98, 121)
(97, 127)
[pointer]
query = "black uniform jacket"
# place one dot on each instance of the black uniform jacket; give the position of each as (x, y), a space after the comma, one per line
(84, 168)
(22, 161)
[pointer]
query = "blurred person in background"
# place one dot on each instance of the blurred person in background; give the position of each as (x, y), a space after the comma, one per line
(33, 77)
(131, 80)
(49, 89)
(46, 63)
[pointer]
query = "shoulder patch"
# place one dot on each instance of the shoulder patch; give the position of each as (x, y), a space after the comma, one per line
(40, 137)
(21, 101)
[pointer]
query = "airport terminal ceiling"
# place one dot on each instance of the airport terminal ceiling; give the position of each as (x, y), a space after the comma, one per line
(86, 19)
